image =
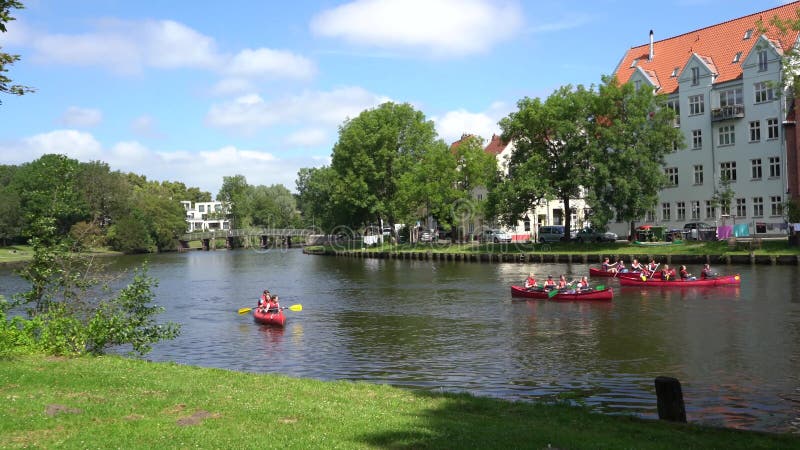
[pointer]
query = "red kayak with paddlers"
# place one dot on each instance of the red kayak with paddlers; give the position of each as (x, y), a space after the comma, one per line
(595, 272)
(604, 294)
(269, 317)
(724, 280)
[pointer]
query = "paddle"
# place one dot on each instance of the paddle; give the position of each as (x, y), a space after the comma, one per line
(599, 287)
(298, 307)
(555, 292)
(653, 272)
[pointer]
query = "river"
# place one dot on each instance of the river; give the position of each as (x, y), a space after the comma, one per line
(453, 326)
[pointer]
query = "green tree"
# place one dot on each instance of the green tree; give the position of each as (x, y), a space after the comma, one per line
(10, 215)
(7, 59)
(234, 192)
(49, 187)
(373, 152)
(553, 156)
(105, 193)
(272, 206)
(633, 132)
(315, 197)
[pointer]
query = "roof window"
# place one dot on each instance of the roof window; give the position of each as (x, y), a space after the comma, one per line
(675, 72)
(747, 34)
(635, 61)
(737, 57)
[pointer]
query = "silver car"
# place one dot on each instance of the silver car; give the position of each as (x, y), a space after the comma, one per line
(592, 235)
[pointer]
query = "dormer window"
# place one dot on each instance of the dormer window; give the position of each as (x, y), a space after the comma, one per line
(695, 76)
(747, 34)
(737, 57)
(633, 64)
(675, 72)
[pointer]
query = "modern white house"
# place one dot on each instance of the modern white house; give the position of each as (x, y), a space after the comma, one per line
(206, 216)
(725, 83)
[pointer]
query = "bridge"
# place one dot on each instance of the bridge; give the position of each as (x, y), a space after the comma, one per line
(265, 236)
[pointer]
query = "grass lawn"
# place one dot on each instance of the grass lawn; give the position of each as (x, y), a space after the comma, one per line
(124, 403)
(15, 253)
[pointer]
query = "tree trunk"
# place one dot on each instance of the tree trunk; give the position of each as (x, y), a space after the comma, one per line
(567, 220)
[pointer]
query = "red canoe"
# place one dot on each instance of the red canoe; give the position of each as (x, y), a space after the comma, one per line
(277, 319)
(719, 281)
(594, 272)
(601, 295)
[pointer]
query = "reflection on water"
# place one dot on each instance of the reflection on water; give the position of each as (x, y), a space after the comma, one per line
(454, 327)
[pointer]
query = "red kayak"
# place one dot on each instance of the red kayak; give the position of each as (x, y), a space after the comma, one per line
(263, 317)
(595, 272)
(593, 295)
(718, 281)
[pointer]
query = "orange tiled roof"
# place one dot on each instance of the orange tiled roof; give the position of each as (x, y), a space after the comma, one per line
(495, 145)
(716, 45)
(457, 143)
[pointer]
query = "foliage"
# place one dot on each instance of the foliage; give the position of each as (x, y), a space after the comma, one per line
(792, 210)
(105, 193)
(10, 214)
(7, 59)
(315, 190)
(723, 195)
(372, 154)
(553, 153)
(272, 206)
(129, 234)
(633, 132)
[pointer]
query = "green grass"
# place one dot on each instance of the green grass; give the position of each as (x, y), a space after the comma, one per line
(15, 253)
(771, 247)
(123, 403)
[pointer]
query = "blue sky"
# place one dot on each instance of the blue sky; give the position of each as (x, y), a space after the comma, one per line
(196, 90)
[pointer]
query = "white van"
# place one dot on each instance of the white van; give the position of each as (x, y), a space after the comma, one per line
(551, 233)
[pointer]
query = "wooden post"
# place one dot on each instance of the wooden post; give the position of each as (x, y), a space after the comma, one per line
(670, 400)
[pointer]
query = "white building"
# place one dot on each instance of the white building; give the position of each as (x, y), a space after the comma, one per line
(724, 81)
(206, 216)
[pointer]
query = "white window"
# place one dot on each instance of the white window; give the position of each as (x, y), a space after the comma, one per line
(727, 135)
(727, 170)
(698, 174)
(675, 72)
(674, 105)
(697, 139)
(755, 169)
(741, 207)
(681, 207)
(666, 211)
(776, 202)
(758, 206)
(650, 216)
(725, 210)
(762, 61)
(637, 84)
(695, 76)
(201, 208)
(737, 57)
(772, 128)
(731, 97)
(774, 166)
(764, 93)
(710, 210)
(672, 175)
(696, 105)
(695, 209)
(755, 131)
(747, 34)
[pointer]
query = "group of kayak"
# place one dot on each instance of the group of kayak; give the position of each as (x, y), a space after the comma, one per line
(650, 275)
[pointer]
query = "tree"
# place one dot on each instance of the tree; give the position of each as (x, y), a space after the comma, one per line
(374, 150)
(234, 193)
(105, 193)
(272, 206)
(314, 197)
(633, 132)
(553, 156)
(49, 187)
(10, 215)
(7, 59)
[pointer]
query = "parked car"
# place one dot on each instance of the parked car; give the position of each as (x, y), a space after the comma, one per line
(426, 236)
(552, 233)
(594, 235)
(496, 236)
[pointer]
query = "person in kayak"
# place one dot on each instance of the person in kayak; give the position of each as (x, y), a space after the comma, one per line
(273, 307)
(666, 273)
(652, 266)
(685, 275)
(549, 283)
(707, 272)
(264, 299)
(530, 282)
(583, 285)
(608, 267)
(636, 266)
(562, 282)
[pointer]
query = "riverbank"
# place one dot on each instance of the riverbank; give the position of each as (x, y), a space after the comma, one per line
(17, 254)
(718, 252)
(125, 403)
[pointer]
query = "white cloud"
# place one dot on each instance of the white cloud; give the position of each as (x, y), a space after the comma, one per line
(264, 62)
(146, 126)
(442, 27)
(130, 47)
(233, 86)
(453, 124)
(251, 112)
(75, 116)
(310, 137)
(203, 169)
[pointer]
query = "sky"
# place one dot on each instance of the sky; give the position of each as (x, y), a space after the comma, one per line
(193, 91)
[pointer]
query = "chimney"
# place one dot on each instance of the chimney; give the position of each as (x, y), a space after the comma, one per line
(650, 58)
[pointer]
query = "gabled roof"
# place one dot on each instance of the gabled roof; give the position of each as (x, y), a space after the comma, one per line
(716, 45)
(457, 143)
(496, 145)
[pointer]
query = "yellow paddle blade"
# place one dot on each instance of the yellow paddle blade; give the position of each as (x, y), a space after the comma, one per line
(297, 307)
(245, 310)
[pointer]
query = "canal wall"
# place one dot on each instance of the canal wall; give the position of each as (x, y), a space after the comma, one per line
(748, 259)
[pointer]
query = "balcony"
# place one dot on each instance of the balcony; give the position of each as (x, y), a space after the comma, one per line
(727, 113)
